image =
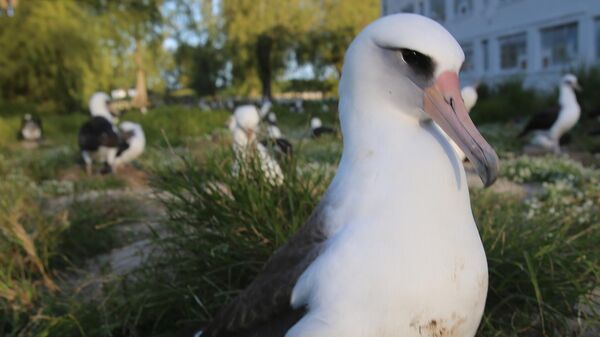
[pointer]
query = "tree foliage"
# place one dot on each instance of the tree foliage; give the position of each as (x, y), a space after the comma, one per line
(267, 34)
(338, 23)
(49, 55)
(54, 54)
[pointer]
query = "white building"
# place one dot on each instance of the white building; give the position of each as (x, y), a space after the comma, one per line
(537, 40)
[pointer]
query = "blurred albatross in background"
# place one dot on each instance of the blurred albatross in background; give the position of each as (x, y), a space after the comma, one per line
(392, 249)
(550, 125)
(243, 126)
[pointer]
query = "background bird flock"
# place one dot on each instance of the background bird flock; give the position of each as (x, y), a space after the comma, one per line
(178, 208)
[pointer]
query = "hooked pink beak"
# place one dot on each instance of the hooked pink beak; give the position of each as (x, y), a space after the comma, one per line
(443, 103)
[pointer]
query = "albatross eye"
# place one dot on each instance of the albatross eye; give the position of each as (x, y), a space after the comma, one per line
(421, 64)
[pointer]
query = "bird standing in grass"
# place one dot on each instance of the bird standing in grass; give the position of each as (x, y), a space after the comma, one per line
(243, 127)
(98, 138)
(392, 249)
(550, 125)
(317, 129)
(31, 129)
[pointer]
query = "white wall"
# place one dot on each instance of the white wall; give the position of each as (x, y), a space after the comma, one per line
(495, 20)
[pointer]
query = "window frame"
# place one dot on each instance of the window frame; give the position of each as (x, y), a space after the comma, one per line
(503, 40)
(556, 28)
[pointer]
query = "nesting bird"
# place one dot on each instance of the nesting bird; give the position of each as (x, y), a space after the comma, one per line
(550, 125)
(392, 249)
(244, 126)
(31, 129)
(317, 129)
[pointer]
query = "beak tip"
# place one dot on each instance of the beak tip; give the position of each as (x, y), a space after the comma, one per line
(491, 171)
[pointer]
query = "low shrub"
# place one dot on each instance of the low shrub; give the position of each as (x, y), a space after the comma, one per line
(509, 101)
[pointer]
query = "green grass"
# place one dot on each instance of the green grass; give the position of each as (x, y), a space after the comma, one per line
(93, 230)
(215, 242)
(543, 266)
(177, 124)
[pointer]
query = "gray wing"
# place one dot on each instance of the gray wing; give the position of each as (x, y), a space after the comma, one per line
(263, 308)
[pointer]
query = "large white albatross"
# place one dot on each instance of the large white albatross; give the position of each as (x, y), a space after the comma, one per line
(392, 249)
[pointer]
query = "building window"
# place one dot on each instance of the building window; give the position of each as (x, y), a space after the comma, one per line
(559, 45)
(438, 10)
(469, 64)
(485, 45)
(410, 8)
(463, 7)
(598, 38)
(513, 52)
(507, 2)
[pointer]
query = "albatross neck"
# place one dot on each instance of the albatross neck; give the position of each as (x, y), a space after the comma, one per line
(393, 163)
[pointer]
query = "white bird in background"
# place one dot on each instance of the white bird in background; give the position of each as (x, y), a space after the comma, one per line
(132, 143)
(550, 125)
(243, 128)
(392, 249)
(98, 137)
(317, 129)
(31, 129)
(100, 107)
(469, 96)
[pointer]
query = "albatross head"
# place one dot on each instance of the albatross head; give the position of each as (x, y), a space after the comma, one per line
(407, 65)
(247, 119)
(571, 81)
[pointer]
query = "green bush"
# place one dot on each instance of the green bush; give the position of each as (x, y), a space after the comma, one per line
(588, 98)
(508, 101)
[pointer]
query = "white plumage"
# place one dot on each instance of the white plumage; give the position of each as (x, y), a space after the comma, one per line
(133, 135)
(566, 119)
(99, 106)
(469, 96)
(403, 256)
(315, 122)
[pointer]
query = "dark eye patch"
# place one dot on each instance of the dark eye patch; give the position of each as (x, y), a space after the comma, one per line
(421, 64)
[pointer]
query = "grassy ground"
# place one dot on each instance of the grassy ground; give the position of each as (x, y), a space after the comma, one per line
(63, 235)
